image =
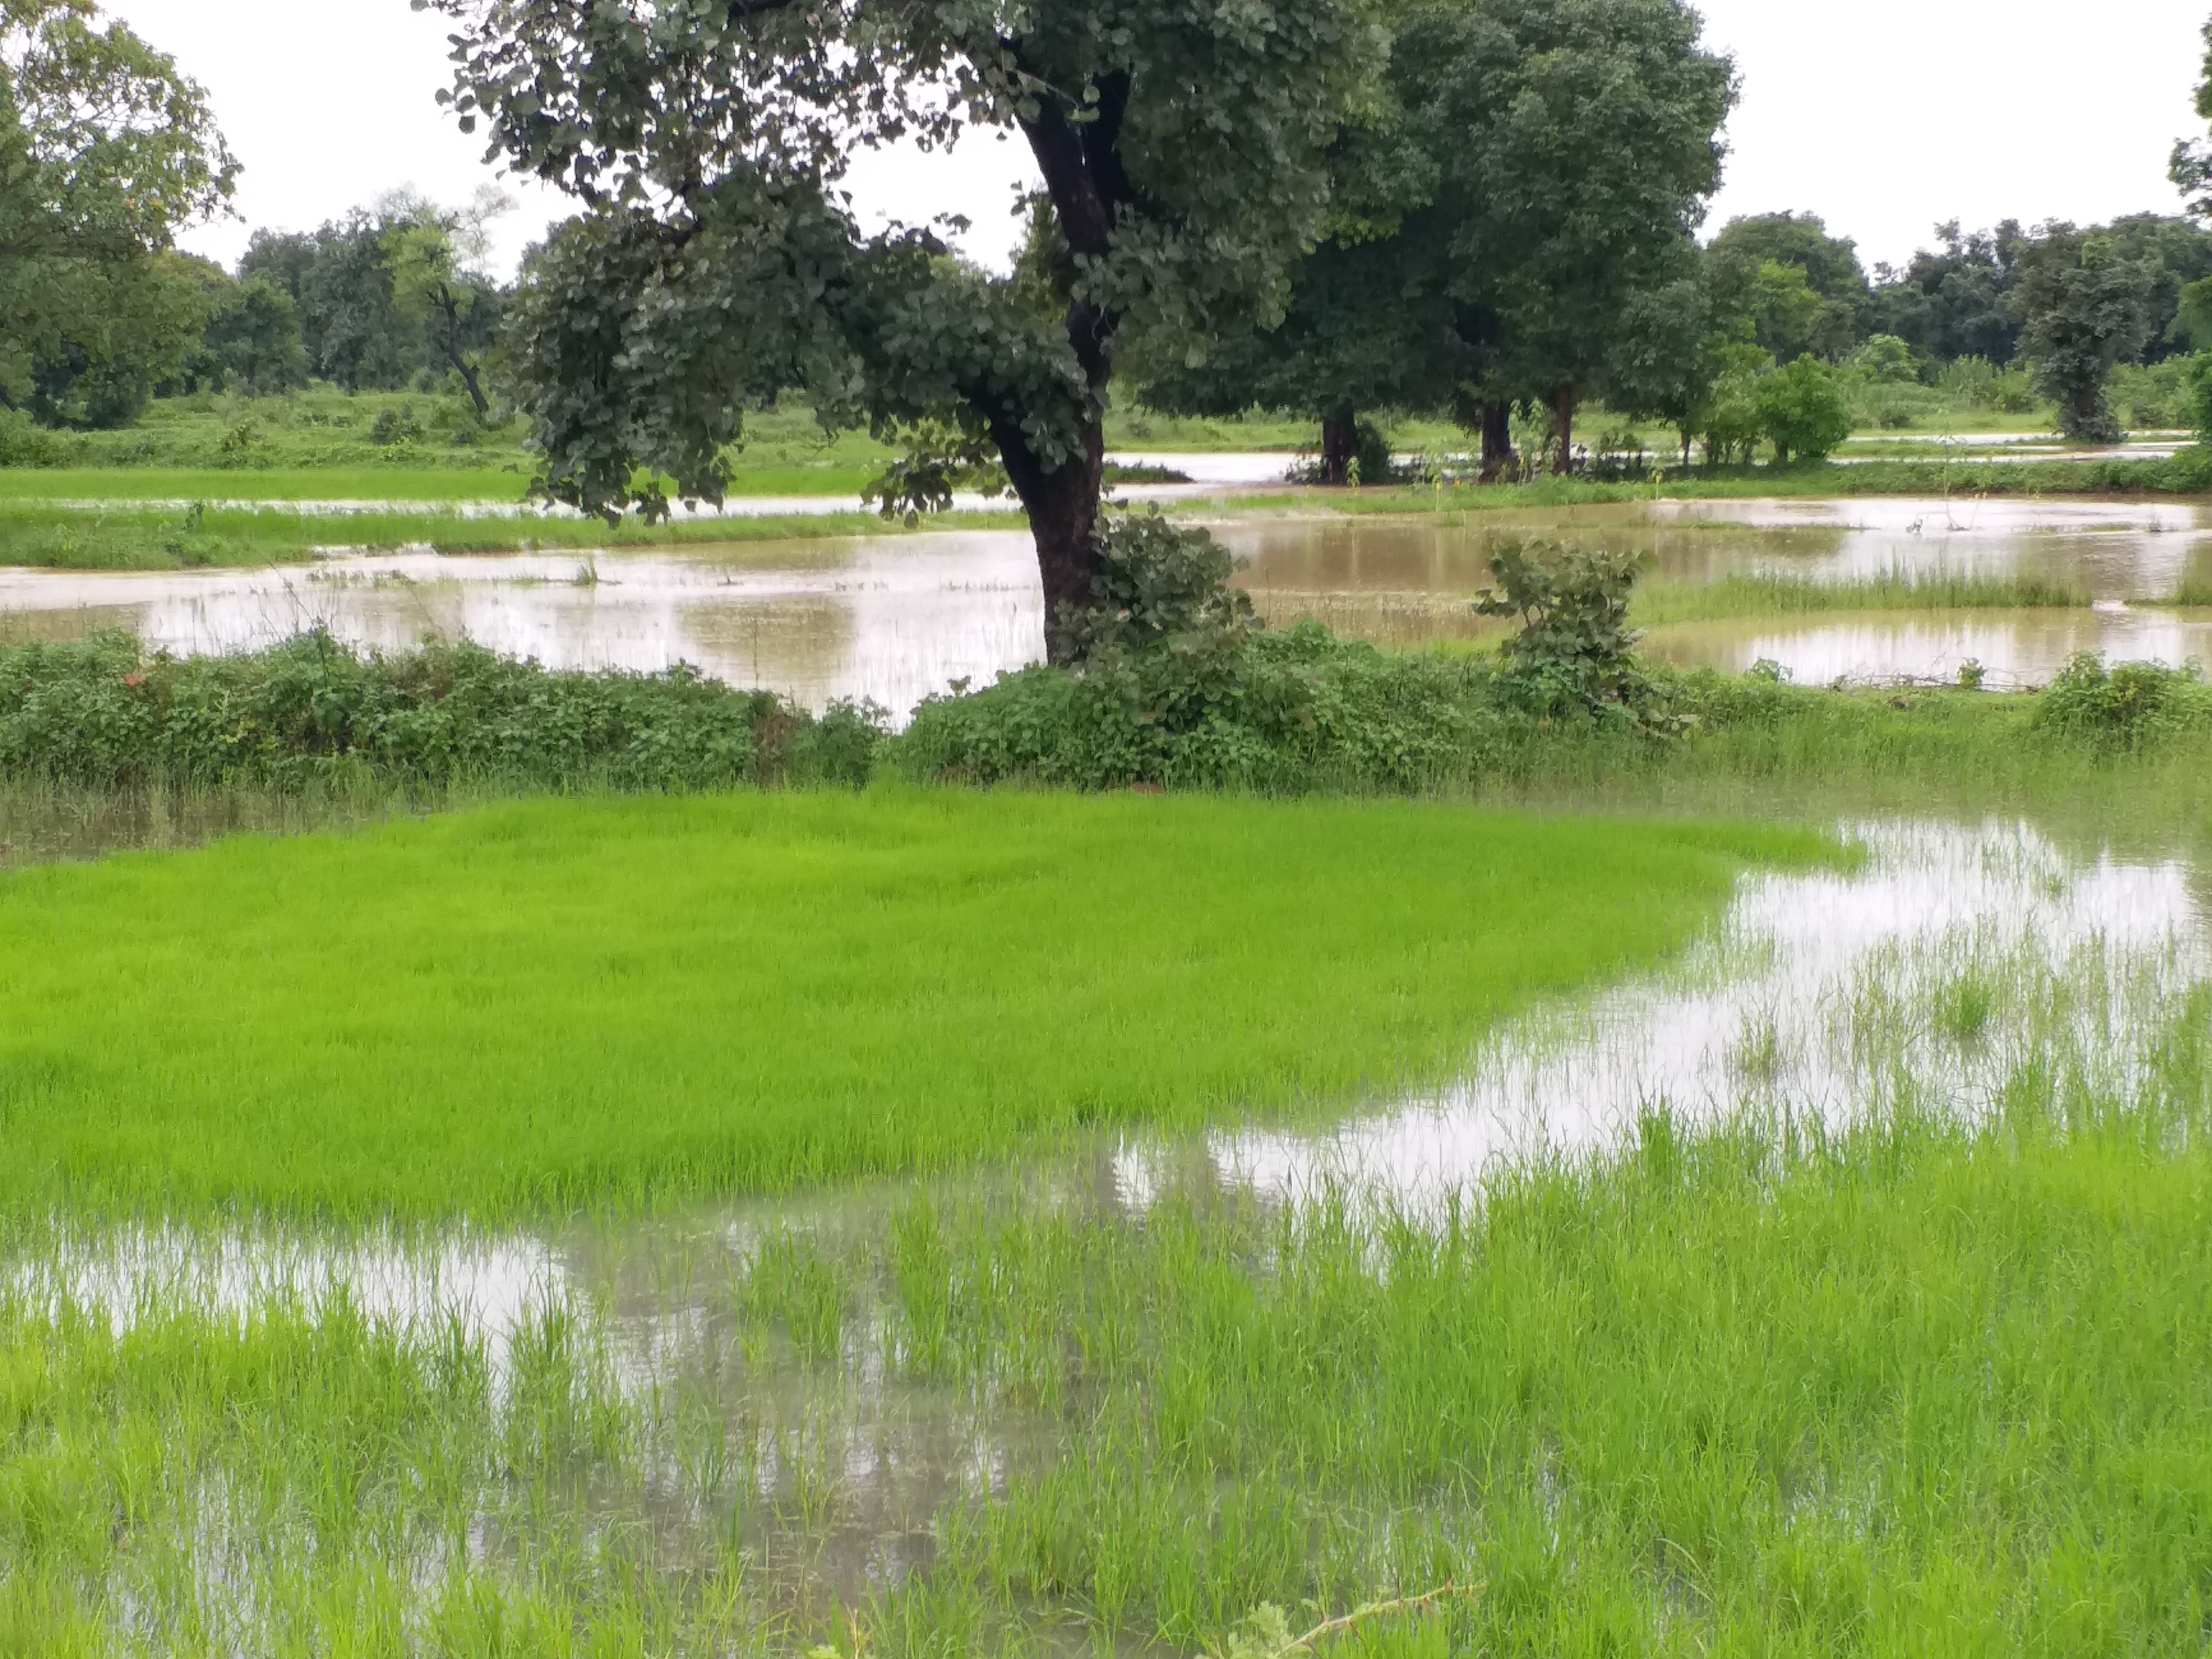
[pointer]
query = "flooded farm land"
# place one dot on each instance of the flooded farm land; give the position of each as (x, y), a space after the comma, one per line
(2029, 586)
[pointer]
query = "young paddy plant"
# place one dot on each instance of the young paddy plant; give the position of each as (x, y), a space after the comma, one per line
(641, 1001)
(1759, 1379)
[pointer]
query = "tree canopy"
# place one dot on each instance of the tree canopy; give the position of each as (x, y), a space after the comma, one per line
(1541, 168)
(106, 152)
(1183, 148)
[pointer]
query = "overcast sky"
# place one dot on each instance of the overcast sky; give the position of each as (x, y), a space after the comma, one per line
(1885, 116)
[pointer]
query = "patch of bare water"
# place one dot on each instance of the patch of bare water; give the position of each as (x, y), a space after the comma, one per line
(1950, 965)
(2014, 648)
(870, 618)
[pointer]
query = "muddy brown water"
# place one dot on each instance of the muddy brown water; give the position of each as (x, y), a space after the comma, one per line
(894, 621)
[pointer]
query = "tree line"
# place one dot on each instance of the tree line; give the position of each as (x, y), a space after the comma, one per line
(107, 151)
(1490, 208)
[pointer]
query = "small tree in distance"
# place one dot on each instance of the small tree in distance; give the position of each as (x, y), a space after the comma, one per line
(1803, 412)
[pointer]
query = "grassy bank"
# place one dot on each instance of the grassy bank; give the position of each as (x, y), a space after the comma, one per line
(562, 1003)
(174, 538)
(2189, 473)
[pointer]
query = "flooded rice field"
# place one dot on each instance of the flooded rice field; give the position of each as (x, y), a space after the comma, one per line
(791, 1409)
(895, 620)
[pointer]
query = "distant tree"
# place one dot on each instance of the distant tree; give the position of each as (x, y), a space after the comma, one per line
(1956, 301)
(135, 324)
(2190, 169)
(1803, 412)
(1885, 360)
(1579, 143)
(2087, 307)
(1680, 344)
(106, 152)
(1828, 315)
(340, 279)
(441, 284)
(2174, 255)
(253, 338)
(1183, 149)
(1369, 326)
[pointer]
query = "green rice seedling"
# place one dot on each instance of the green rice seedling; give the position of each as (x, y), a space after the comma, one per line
(552, 1005)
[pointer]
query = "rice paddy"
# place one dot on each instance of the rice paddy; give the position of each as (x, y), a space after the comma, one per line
(563, 1004)
(1875, 1326)
(946, 1222)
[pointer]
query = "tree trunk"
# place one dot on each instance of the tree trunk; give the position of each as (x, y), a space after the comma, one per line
(473, 379)
(1688, 437)
(1063, 507)
(470, 378)
(1563, 425)
(1340, 442)
(1497, 457)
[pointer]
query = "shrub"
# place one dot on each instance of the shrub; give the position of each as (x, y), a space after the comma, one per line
(104, 713)
(1886, 360)
(2124, 707)
(1803, 412)
(1159, 587)
(1575, 651)
(1285, 712)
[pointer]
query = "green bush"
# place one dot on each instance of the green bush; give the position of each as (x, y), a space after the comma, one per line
(1284, 712)
(1803, 411)
(2125, 706)
(1159, 587)
(105, 713)
(1575, 649)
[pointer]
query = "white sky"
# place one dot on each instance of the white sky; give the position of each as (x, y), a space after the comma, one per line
(1884, 117)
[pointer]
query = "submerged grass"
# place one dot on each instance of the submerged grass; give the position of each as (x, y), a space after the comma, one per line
(1908, 1388)
(167, 538)
(1660, 603)
(553, 1004)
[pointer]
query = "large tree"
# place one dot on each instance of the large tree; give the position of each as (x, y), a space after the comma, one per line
(1182, 149)
(106, 152)
(1369, 325)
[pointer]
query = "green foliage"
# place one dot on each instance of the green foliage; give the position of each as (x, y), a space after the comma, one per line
(312, 712)
(2196, 387)
(1159, 587)
(1955, 302)
(106, 151)
(252, 340)
(2087, 307)
(1803, 412)
(1284, 712)
(2126, 706)
(1811, 293)
(1606, 116)
(1887, 360)
(1183, 152)
(1575, 650)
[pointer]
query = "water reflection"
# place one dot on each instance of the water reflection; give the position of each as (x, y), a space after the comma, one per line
(891, 620)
